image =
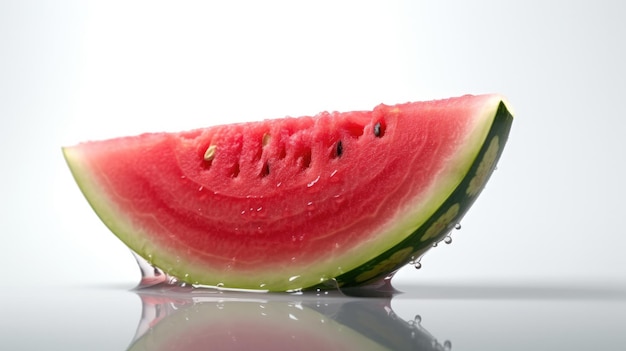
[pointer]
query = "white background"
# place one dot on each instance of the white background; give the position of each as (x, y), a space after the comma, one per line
(74, 71)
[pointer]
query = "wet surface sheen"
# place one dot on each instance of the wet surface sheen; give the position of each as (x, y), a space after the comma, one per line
(422, 317)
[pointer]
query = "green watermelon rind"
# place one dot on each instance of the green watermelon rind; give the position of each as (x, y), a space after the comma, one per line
(397, 243)
(446, 216)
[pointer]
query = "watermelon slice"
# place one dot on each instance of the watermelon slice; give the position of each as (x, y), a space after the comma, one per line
(292, 203)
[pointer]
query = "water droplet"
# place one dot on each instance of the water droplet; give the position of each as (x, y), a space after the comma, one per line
(310, 184)
(447, 345)
(417, 265)
(417, 319)
(448, 239)
(201, 188)
(294, 278)
(457, 226)
(220, 285)
(435, 244)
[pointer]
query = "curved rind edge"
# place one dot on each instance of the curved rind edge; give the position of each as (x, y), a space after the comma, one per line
(413, 246)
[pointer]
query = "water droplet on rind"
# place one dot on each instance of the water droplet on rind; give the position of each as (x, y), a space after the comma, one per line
(415, 262)
(448, 239)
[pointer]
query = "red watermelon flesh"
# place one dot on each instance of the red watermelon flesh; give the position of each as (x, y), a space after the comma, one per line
(289, 203)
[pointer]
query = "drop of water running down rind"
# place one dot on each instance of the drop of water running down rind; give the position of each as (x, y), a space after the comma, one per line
(150, 275)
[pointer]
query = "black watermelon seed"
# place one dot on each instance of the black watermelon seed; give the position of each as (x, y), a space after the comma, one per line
(339, 148)
(377, 130)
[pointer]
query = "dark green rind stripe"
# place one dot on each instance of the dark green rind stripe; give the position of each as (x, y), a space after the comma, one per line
(413, 246)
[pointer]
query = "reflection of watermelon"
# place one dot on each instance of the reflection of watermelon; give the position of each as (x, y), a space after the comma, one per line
(172, 318)
(223, 323)
(291, 203)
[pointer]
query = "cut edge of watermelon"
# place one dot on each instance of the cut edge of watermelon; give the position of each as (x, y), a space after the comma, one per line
(104, 208)
(398, 229)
